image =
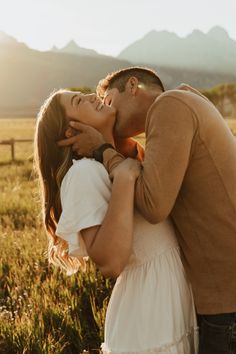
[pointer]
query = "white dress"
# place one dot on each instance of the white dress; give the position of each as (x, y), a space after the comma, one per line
(151, 309)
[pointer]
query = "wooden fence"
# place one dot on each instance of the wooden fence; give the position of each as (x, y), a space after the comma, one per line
(12, 142)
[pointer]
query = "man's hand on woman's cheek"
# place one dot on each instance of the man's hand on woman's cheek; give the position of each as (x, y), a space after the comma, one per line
(70, 132)
(85, 141)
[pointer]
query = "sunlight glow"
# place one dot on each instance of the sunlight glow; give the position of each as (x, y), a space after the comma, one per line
(106, 26)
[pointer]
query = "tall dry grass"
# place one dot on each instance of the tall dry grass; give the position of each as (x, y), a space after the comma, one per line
(41, 309)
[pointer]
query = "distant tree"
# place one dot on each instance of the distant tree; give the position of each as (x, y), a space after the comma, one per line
(221, 96)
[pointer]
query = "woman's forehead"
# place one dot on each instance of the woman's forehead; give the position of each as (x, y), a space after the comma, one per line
(67, 96)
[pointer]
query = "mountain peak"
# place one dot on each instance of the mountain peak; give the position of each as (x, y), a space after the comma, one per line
(151, 33)
(6, 39)
(72, 45)
(196, 32)
(154, 34)
(218, 32)
(73, 48)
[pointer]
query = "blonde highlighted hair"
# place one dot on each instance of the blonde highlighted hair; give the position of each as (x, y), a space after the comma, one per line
(52, 163)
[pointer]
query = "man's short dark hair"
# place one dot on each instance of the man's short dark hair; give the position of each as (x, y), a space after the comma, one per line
(118, 79)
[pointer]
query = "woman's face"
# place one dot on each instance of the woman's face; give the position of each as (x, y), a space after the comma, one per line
(87, 109)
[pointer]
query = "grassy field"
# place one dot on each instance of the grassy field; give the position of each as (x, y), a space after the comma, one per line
(19, 128)
(16, 128)
(41, 309)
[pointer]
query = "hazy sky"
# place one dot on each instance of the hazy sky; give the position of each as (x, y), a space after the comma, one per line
(109, 26)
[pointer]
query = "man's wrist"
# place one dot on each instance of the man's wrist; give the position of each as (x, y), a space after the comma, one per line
(98, 153)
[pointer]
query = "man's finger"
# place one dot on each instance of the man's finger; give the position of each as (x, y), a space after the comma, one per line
(68, 141)
(75, 149)
(78, 126)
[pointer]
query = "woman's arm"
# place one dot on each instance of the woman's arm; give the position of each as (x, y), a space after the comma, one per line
(110, 244)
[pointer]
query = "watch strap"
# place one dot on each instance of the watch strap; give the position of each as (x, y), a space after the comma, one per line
(98, 153)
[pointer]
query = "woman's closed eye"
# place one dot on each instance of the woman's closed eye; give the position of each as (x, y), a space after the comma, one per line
(75, 100)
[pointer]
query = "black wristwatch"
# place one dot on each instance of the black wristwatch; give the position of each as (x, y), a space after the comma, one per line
(98, 153)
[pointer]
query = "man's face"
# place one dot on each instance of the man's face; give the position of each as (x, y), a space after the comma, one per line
(125, 105)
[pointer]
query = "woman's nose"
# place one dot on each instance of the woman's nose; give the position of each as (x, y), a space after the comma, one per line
(92, 97)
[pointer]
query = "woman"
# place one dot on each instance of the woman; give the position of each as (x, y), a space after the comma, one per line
(151, 308)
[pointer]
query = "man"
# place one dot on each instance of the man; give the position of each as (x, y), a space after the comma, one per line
(188, 172)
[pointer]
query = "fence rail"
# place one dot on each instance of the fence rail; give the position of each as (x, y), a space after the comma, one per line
(12, 142)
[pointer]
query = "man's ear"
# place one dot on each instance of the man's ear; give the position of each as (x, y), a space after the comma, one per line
(132, 85)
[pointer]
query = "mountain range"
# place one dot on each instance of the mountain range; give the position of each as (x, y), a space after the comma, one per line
(27, 76)
(214, 51)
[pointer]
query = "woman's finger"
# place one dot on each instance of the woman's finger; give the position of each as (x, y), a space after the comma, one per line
(78, 126)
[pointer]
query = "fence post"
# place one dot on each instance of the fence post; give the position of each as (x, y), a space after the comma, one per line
(12, 149)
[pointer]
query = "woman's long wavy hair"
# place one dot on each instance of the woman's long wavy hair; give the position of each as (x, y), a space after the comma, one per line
(52, 163)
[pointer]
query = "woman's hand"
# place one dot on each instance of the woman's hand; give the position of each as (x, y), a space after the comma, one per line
(129, 168)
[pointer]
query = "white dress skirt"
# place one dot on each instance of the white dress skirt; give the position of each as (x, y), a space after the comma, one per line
(151, 309)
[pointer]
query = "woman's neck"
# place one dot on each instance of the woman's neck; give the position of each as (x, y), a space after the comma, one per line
(108, 136)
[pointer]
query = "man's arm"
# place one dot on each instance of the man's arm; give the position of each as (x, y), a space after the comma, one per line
(169, 133)
(85, 139)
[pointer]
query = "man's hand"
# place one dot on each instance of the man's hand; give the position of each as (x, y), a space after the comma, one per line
(85, 142)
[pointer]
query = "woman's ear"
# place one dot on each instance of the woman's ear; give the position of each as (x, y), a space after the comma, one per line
(70, 132)
(132, 85)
